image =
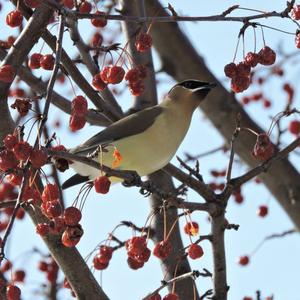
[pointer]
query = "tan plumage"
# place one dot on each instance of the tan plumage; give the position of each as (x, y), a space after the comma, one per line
(148, 139)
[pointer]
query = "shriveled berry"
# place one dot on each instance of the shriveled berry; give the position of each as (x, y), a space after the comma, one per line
(252, 59)
(134, 264)
(136, 88)
(195, 251)
(72, 216)
(22, 150)
(240, 83)
(102, 184)
(115, 74)
(162, 249)
(98, 83)
(53, 209)
(42, 229)
(79, 106)
(10, 141)
(132, 75)
(8, 160)
(18, 276)
(143, 42)
(263, 148)
(50, 192)
(96, 40)
(155, 297)
(68, 3)
(22, 105)
(38, 157)
(267, 56)
(297, 40)
(243, 69)
(230, 70)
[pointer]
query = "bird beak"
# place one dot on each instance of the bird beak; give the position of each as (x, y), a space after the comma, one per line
(208, 86)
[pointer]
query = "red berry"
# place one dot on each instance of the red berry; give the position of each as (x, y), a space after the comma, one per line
(50, 192)
(267, 56)
(8, 160)
(38, 158)
(191, 228)
(85, 7)
(101, 22)
(295, 12)
(57, 225)
(239, 198)
(136, 88)
(171, 296)
(47, 62)
(243, 69)
(19, 276)
(7, 73)
(133, 75)
(247, 298)
(106, 252)
(13, 292)
(53, 209)
(263, 148)
(195, 251)
(22, 150)
(32, 3)
(10, 141)
(34, 61)
(98, 83)
(115, 74)
(262, 211)
(102, 184)
(14, 18)
(294, 127)
(240, 83)
(79, 106)
(72, 216)
(246, 100)
(252, 59)
(134, 264)
(76, 122)
(42, 229)
(14, 179)
(143, 42)
(244, 260)
(162, 249)
(72, 235)
(230, 70)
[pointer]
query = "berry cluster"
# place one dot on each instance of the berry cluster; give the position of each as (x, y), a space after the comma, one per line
(37, 60)
(79, 108)
(255, 98)
(137, 251)
(60, 222)
(240, 74)
(102, 258)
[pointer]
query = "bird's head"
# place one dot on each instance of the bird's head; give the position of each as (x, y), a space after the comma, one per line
(190, 91)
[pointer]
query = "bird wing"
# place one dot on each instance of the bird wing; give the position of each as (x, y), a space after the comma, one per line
(128, 126)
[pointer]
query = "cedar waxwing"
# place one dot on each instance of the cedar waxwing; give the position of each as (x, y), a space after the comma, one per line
(147, 140)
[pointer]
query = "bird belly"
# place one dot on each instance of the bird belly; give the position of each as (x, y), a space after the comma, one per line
(144, 153)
